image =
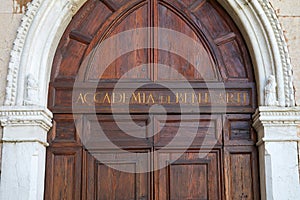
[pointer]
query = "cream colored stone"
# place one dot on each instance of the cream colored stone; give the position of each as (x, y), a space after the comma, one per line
(10, 22)
(6, 6)
(291, 27)
(286, 7)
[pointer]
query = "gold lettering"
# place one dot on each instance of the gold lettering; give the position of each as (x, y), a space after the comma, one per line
(136, 98)
(114, 98)
(144, 97)
(179, 98)
(245, 98)
(221, 98)
(200, 98)
(80, 98)
(206, 97)
(106, 98)
(238, 95)
(165, 99)
(86, 99)
(230, 97)
(150, 98)
(169, 99)
(126, 97)
(96, 100)
(194, 97)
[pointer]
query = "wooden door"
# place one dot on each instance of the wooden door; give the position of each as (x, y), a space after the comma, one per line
(119, 144)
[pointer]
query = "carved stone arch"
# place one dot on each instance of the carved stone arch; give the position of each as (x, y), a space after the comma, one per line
(37, 39)
(256, 19)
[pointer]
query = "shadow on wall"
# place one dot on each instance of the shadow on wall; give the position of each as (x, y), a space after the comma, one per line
(19, 6)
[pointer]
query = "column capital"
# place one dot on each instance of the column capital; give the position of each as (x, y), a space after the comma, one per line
(277, 124)
(276, 116)
(15, 116)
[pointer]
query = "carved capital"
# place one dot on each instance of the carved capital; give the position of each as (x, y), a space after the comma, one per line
(26, 116)
(277, 124)
(270, 116)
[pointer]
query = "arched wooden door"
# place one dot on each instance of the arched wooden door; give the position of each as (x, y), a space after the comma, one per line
(157, 67)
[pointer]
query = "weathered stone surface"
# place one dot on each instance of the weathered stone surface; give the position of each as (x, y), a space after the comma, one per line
(19, 6)
(7, 36)
(6, 6)
(288, 12)
(286, 7)
(291, 27)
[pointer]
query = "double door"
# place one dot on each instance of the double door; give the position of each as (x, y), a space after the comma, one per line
(152, 157)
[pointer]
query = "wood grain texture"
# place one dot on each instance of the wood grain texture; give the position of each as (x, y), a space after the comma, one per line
(80, 162)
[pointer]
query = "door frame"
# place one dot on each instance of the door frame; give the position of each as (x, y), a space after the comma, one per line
(26, 120)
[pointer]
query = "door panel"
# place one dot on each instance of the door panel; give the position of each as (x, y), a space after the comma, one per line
(197, 57)
(115, 175)
(124, 62)
(241, 174)
(63, 174)
(188, 177)
(188, 131)
(118, 131)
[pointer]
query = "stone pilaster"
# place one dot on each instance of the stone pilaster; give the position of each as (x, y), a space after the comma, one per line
(24, 152)
(278, 139)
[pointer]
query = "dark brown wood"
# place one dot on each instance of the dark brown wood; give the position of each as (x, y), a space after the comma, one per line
(241, 173)
(204, 130)
(63, 174)
(105, 182)
(221, 160)
(188, 177)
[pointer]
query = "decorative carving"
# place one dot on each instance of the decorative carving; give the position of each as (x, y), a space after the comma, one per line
(32, 91)
(73, 5)
(15, 56)
(285, 73)
(32, 116)
(19, 6)
(19, 43)
(270, 92)
(283, 50)
(276, 116)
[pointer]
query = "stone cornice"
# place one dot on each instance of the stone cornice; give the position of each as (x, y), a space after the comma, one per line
(276, 116)
(26, 116)
(276, 124)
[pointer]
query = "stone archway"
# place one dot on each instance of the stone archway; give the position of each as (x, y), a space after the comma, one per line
(31, 60)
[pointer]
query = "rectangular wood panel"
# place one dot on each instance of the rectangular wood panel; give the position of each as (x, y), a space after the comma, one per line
(83, 99)
(191, 175)
(241, 174)
(102, 132)
(113, 175)
(65, 130)
(63, 177)
(238, 130)
(187, 131)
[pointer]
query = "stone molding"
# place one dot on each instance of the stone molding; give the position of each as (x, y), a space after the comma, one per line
(283, 50)
(277, 118)
(17, 50)
(16, 55)
(26, 116)
(272, 116)
(260, 13)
